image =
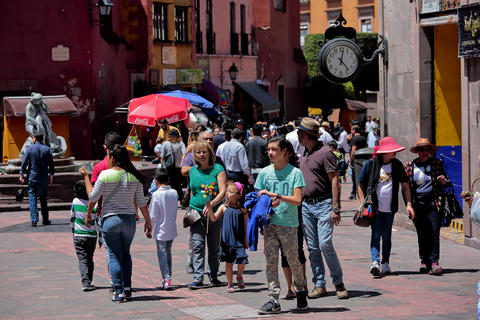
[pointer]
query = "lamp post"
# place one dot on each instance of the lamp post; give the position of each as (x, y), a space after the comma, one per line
(233, 72)
(104, 7)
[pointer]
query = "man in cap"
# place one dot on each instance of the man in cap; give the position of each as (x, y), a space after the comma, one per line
(241, 126)
(326, 137)
(320, 208)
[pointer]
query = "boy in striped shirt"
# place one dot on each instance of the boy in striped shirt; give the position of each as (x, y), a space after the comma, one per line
(84, 237)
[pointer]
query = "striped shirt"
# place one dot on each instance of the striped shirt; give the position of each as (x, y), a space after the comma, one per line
(78, 212)
(122, 201)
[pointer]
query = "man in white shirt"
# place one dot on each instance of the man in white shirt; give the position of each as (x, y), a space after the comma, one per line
(235, 159)
(228, 137)
(292, 137)
(369, 124)
(325, 137)
(342, 141)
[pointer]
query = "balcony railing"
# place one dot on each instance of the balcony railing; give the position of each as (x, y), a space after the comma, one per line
(211, 43)
(244, 43)
(234, 43)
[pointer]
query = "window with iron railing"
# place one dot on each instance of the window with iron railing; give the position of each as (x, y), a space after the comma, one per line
(160, 22)
(234, 43)
(211, 43)
(244, 43)
(181, 24)
(199, 42)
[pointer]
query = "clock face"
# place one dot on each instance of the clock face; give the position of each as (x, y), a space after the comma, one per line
(341, 61)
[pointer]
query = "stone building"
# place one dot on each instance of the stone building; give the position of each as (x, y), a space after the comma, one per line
(426, 90)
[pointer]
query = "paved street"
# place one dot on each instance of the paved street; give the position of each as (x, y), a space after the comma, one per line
(40, 280)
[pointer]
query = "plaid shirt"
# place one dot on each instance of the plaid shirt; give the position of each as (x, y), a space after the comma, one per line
(437, 170)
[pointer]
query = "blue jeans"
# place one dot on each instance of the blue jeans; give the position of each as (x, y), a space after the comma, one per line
(118, 232)
(382, 227)
(318, 230)
(164, 255)
(38, 189)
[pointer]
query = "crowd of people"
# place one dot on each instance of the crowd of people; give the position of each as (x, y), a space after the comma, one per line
(284, 179)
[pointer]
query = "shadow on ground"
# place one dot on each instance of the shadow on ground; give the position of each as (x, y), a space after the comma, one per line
(58, 225)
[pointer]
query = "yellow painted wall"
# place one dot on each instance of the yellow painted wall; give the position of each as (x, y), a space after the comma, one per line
(448, 95)
(14, 134)
(184, 51)
(318, 14)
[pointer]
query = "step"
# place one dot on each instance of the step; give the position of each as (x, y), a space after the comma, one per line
(57, 162)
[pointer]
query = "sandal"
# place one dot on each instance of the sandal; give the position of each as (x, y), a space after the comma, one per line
(240, 283)
(290, 295)
(230, 289)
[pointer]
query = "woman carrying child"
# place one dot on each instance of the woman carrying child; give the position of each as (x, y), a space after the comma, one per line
(234, 232)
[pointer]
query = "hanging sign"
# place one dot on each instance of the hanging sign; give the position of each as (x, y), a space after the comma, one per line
(469, 32)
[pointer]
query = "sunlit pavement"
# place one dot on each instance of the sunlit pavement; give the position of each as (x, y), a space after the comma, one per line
(40, 279)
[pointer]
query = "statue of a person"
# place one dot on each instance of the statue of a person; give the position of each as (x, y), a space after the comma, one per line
(38, 121)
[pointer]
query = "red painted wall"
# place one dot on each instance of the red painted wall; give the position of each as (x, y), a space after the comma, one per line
(96, 77)
(276, 43)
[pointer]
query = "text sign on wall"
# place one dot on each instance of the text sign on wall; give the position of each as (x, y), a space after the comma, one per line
(189, 76)
(469, 32)
(60, 53)
(169, 76)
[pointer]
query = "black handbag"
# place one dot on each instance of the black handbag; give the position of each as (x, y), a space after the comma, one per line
(452, 208)
(20, 195)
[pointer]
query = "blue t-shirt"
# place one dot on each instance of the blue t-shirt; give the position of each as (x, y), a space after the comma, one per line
(282, 182)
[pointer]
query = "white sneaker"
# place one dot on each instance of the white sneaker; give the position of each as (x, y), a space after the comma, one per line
(386, 268)
(375, 269)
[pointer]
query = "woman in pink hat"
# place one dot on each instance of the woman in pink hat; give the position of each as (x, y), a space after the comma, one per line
(381, 178)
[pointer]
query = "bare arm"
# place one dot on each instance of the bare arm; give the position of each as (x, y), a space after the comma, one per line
(88, 183)
(214, 216)
(361, 193)
(296, 199)
(147, 228)
(408, 198)
(352, 153)
(336, 196)
(185, 170)
(222, 187)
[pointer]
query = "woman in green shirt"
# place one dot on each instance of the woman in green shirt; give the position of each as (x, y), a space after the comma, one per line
(206, 173)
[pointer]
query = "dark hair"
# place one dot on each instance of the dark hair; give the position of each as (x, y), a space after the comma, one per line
(333, 144)
(80, 190)
(237, 133)
(122, 159)
(241, 200)
(290, 128)
(228, 134)
(357, 129)
(298, 121)
(282, 130)
(38, 136)
(257, 129)
(161, 175)
(284, 143)
(112, 138)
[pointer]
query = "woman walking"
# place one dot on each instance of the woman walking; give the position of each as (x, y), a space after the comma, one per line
(380, 178)
(426, 177)
(174, 146)
(121, 186)
(205, 173)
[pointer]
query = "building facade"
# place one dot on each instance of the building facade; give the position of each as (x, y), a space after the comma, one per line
(223, 38)
(281, 66)
(360, 14)
(67, 48)
(426, 90)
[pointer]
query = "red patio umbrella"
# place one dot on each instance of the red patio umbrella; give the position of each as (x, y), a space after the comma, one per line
(148, 110)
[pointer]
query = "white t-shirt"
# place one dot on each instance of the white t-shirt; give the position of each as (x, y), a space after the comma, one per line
(385, 188)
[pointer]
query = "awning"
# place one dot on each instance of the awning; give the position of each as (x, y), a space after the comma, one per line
(269, 103)
(357, 105)
(16, 106)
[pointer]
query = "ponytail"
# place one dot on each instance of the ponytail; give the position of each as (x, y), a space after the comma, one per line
(122, 159)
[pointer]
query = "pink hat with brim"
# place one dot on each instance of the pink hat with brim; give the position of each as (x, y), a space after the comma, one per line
(388, 145)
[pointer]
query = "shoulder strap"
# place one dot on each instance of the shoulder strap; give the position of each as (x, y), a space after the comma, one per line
(107, 199)
(371, 183)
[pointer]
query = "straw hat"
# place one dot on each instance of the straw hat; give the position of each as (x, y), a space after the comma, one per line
(387, 145)
(423, 143)
(309, 125)
(326, 124)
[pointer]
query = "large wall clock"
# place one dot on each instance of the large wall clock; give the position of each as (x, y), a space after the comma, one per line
(340, 60)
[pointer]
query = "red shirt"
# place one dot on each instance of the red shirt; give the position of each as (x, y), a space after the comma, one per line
(99, 167)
